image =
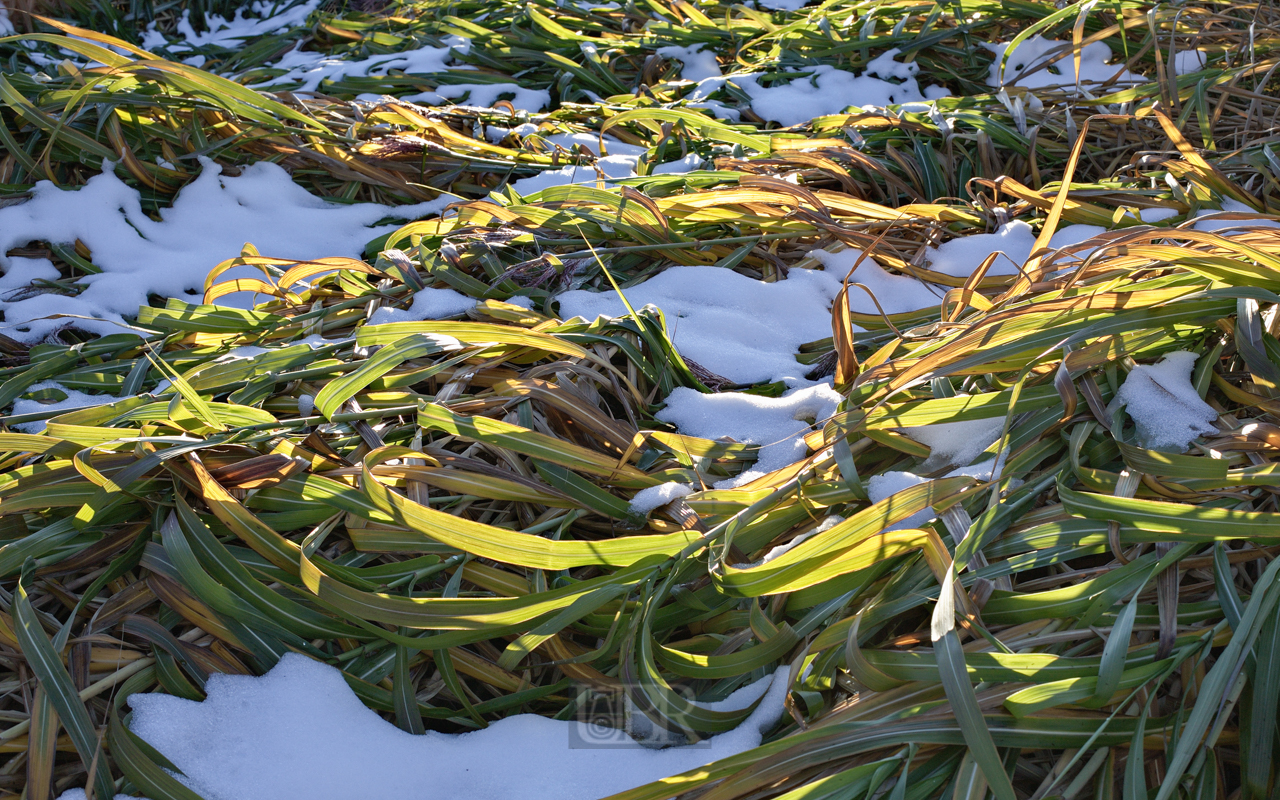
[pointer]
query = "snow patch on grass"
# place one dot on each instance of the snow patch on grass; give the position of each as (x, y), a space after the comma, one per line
(744, 329)
(1164, 405)
(210, 221)
(267, 738)
(776, 424)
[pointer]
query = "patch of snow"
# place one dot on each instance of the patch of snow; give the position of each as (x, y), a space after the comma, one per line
(611, 167)
(309, 69)
(697, 63)
(266, 738)
(826, 90)
(781, 5)
(776, 424)
(427, 303)
(955, 444)
(210, 221)
(680, 166)
(268, 17)
(897, 294)
(484, 95)
(1164, 405)
(6, 27)
(647, 500)
(1185, 61)
(1014, 241)
(74, 399)
(735, 326)
(306, 405)
(1060, 73)
(1215, 224)
(890, 483)
(591, 142)
(496, 133)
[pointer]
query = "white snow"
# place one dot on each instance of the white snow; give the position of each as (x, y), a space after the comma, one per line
(955, 444)
(776, 424)
(697, 64)
(781, 5)
(210, 221)
(591, 142)
(299, 731)
(680, 166)
(74, 399)
(827, 90)
(268, 17)
(735, 326)
(647, 500)
(612, 167)
(1014, 240)
(427, 303)
(826, 524)
(1061, 73)
(481, 94)
(1185, 61)
(309, 69)
(1233, 207)
(897, 294)
(1164, 405)
(890, 483)
(6, 27)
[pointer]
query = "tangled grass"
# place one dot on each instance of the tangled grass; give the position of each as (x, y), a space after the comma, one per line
(451, 527)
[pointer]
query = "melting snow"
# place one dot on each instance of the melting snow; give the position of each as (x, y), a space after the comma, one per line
(697, 64)
(1214, 225)
(890, 483)
(1185, 61)
(309, 69)
(897, 294)
(1014, 241)
(238, 31)
(210, 221)
(744, 329)
(273, 738)
(955, 444)
(427, 304)
(776, 424)
(479, 94)
(827, 90)
(1094, 66)
(1164, 405)
(647, 500)
(74, 399)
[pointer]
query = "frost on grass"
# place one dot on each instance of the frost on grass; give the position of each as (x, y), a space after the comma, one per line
(820, 90)
(210, 221)
(955, 444)
(647, 500)
(300, 732)
(1164, 405)
(776, 424)
(1039, 63)
(744, 329)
